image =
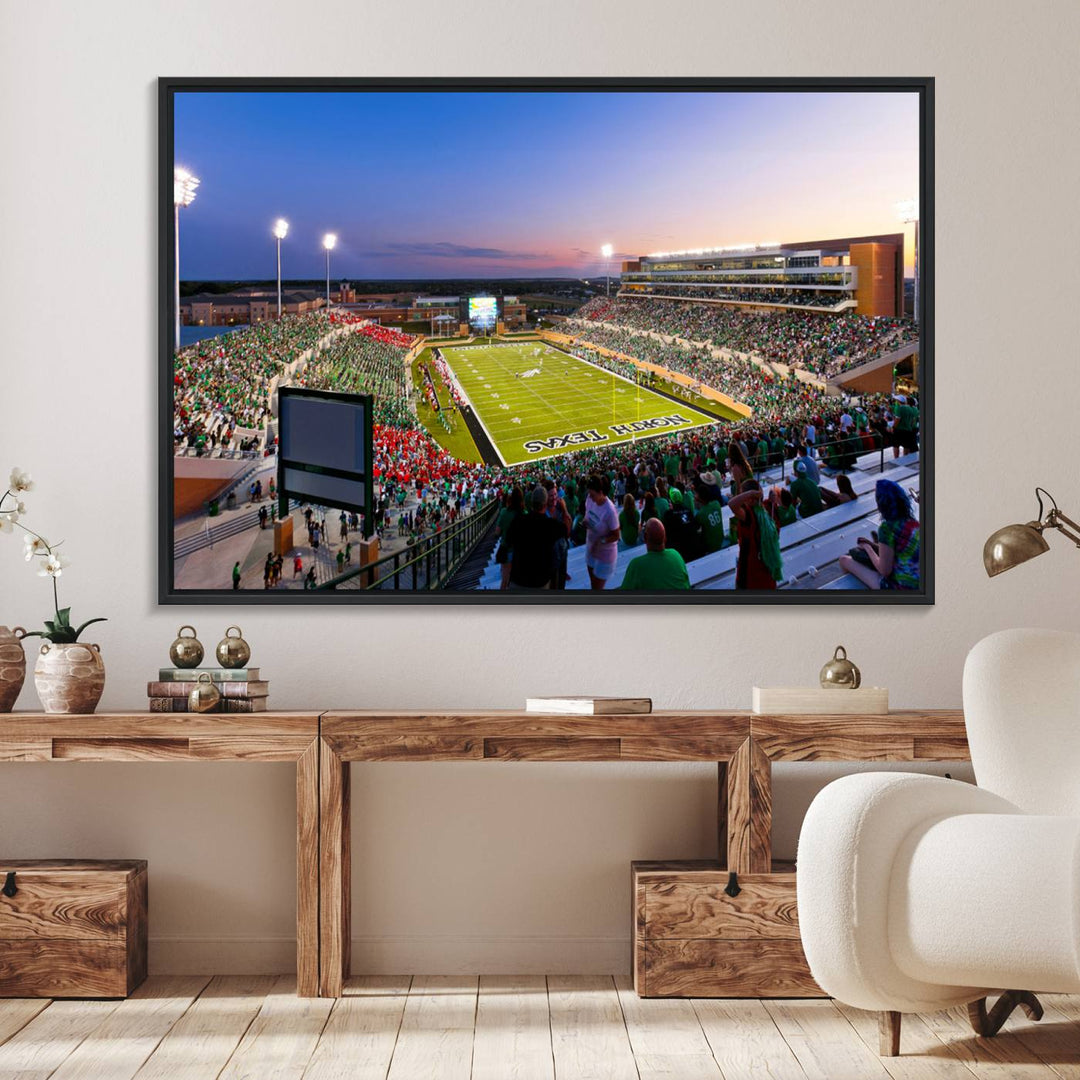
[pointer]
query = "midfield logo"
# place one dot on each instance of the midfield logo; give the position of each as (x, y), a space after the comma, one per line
(557, 442)
(675, 420)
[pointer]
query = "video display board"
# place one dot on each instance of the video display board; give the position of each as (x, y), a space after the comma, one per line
(483, 312)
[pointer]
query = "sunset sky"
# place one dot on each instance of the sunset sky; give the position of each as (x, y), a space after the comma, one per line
(491, 184)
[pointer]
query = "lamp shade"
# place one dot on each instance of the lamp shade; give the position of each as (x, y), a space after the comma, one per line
(1012, 545)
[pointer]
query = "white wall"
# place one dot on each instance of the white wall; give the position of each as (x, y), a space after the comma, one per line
(494, 867)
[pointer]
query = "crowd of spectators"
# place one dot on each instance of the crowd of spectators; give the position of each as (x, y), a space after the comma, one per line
(223, 383)
(822, 344)
(680, 482)
(784, 297)
(365, 362)
(385, 335)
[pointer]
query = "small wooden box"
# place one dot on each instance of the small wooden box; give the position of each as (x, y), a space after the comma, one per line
(817, 701)
(72, 928)
(691, 939)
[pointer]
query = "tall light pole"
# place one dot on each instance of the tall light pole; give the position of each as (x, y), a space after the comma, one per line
(281, 230)
(184, 185)
(607, 250)
(909, 214)
(328, 242)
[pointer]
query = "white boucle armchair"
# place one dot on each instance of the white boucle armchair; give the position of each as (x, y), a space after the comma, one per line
(917, 893)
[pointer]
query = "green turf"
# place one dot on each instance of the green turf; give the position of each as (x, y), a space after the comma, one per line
(459, 442)
(567, 397)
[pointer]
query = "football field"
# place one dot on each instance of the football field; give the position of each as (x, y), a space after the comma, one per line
(534, 401)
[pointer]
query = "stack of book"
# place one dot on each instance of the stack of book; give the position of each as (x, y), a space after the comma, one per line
(241, 689)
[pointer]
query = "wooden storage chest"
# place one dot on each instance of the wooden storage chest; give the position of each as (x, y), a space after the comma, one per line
(693, 939)
(71, 928)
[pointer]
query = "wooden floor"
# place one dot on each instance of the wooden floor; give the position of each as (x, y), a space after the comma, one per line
(522, 1027)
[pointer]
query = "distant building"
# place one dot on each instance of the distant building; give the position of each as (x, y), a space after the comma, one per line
(245, 306)
(250, 304)
(864, 274)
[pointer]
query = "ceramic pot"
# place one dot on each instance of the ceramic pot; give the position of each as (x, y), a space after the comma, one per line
(69, 678)
(12, 666)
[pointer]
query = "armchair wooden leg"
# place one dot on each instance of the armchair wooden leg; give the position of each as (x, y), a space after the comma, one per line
(988, 1024)
(889, 1033)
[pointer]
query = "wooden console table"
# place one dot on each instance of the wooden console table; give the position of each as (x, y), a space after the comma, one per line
(260, 737)
(743, 745)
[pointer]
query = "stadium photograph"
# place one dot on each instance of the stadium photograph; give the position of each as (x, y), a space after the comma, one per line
(492, 343)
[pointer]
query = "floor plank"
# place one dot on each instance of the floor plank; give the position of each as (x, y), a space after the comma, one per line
(923, 1056)
(826, 1045)
(40, 1048)
(359, 1039)
(745, 1042)
(513, 1029)
(588, 1033)
(436, 1037)
(117, 1048)
(1056, 1038)
(504, 1028)
(204, 1038)
(16, 1013)
(281, 1039)
(1004, 1057)
(665, 1036)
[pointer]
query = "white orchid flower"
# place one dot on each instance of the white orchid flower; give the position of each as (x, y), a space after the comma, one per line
(7, 520)
(20, 481)
(34, 545)
(53, 566)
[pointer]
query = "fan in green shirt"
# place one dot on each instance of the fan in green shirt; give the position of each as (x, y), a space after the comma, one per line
(805, 492)
(710, 516)
(660, 569)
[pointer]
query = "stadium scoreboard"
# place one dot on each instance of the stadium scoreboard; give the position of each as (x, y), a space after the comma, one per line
(483, 312)
(325, 450)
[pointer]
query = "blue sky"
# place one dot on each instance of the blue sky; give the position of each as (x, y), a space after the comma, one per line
(496, 183)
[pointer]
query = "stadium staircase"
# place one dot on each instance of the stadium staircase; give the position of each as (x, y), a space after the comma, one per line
(472, 569)
(238, 522)
(811, 547)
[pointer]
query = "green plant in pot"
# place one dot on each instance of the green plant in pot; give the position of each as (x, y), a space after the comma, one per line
(69, 674)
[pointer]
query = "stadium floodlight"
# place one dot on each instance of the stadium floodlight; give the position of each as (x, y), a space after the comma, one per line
(607, 251)
(328, 242)
(908, 212)
(184, 185)
(281, 230)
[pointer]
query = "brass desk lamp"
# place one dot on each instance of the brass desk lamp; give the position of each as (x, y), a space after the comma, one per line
(1014, 544)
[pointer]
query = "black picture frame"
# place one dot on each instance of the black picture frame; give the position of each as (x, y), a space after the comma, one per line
(923, 86)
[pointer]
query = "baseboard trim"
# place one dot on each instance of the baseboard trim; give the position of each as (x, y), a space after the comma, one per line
(430, 954)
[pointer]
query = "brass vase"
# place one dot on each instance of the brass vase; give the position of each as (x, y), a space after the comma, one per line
(186, 652)
(12, 666)
(840, 673)
(233, 652)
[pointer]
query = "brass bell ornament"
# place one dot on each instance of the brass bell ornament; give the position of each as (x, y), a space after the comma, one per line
(233, 652)
(204, 696)
(186, 652)
(840, 673)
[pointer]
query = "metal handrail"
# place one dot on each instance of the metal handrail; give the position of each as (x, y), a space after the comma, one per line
(818, 447)
(431, 562)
